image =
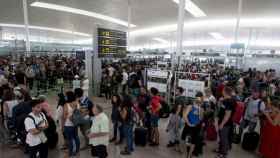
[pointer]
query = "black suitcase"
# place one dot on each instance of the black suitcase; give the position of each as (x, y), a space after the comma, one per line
(250, 141)
(236, 137)
(140, 136)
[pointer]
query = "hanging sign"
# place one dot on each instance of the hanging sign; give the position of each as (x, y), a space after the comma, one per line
(192, 87)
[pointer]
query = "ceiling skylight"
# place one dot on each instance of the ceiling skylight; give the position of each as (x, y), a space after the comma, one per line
(192, 9)
(80, 12)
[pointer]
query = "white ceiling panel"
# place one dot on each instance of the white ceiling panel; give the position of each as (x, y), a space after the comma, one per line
(145, 13)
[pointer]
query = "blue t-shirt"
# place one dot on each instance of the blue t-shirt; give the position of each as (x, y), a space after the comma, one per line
(193, 116)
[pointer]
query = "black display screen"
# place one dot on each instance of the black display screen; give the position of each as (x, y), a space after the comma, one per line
(111, 43)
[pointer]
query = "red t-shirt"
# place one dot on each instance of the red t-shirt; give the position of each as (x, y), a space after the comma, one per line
(155, 104)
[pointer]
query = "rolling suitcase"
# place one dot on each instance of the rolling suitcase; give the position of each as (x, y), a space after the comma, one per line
(250, 141)
(140, 136)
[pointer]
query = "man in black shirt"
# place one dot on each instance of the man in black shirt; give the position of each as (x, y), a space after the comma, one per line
(225, 124)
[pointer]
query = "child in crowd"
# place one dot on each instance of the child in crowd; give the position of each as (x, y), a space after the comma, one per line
(173, 127)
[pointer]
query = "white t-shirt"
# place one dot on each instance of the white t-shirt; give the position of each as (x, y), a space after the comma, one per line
(33, 140)
(125, 78)
(85, 84)
(100, 124)
(111, 71)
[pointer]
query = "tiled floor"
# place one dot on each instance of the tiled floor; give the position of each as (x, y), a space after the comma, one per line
(140, 152)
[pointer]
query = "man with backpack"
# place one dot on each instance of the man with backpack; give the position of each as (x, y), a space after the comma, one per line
(35, 124)
(254, 108)
(85, 108)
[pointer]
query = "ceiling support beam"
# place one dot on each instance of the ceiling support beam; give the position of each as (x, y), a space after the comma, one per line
(237, 27)
(180, 33)
(129, 24)
(26, 25)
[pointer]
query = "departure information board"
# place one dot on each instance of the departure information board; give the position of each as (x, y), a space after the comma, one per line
(111, 43)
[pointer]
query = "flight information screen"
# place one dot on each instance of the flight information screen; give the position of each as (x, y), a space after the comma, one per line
(111, 43)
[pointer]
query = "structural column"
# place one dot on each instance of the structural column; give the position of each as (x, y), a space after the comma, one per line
(180, 32)
(129, 24)
(26, 25)
(96, 64)
(237, 27)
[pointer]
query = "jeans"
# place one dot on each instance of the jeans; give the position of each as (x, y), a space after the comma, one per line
(116, 128)
(73, 140)
(41, 148)
(225, 141)
(128, 132)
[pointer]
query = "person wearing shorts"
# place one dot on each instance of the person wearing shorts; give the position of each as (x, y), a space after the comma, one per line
(192, 116)
(155, 107)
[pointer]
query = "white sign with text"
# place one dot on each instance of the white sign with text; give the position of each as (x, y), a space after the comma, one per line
(191, 87)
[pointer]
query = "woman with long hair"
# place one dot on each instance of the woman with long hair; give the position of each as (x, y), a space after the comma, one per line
(70, 130)
(115, 117)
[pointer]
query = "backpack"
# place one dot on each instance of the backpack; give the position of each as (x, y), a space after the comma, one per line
(29, 72)
(239, 111)
(77, 118)
(50, 132)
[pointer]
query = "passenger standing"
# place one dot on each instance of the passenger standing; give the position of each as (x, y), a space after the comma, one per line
(155, 107)
(192, 116)
(35, 124)
(254, 108)
(99, 133)
(70, 130)
(85, 86)
(225, 123)
(116, 120)
(127, 115)
(85, 108)
(76, 83)
(124, 81)
(173, 127)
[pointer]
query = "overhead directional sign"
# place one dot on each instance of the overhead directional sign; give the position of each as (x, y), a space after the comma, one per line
(111, 43)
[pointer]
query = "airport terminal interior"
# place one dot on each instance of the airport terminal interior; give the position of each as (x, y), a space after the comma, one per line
(139, 78)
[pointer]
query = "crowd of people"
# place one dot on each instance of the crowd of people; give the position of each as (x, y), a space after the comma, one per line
(234, 101)
(41, 73)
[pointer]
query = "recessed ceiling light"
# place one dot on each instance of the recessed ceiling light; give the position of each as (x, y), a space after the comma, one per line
(80, 12)
(47, 29)
(192, 8)
(217, 35)
(160, 40)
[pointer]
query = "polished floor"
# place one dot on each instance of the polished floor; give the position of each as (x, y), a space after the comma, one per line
(140, 152)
